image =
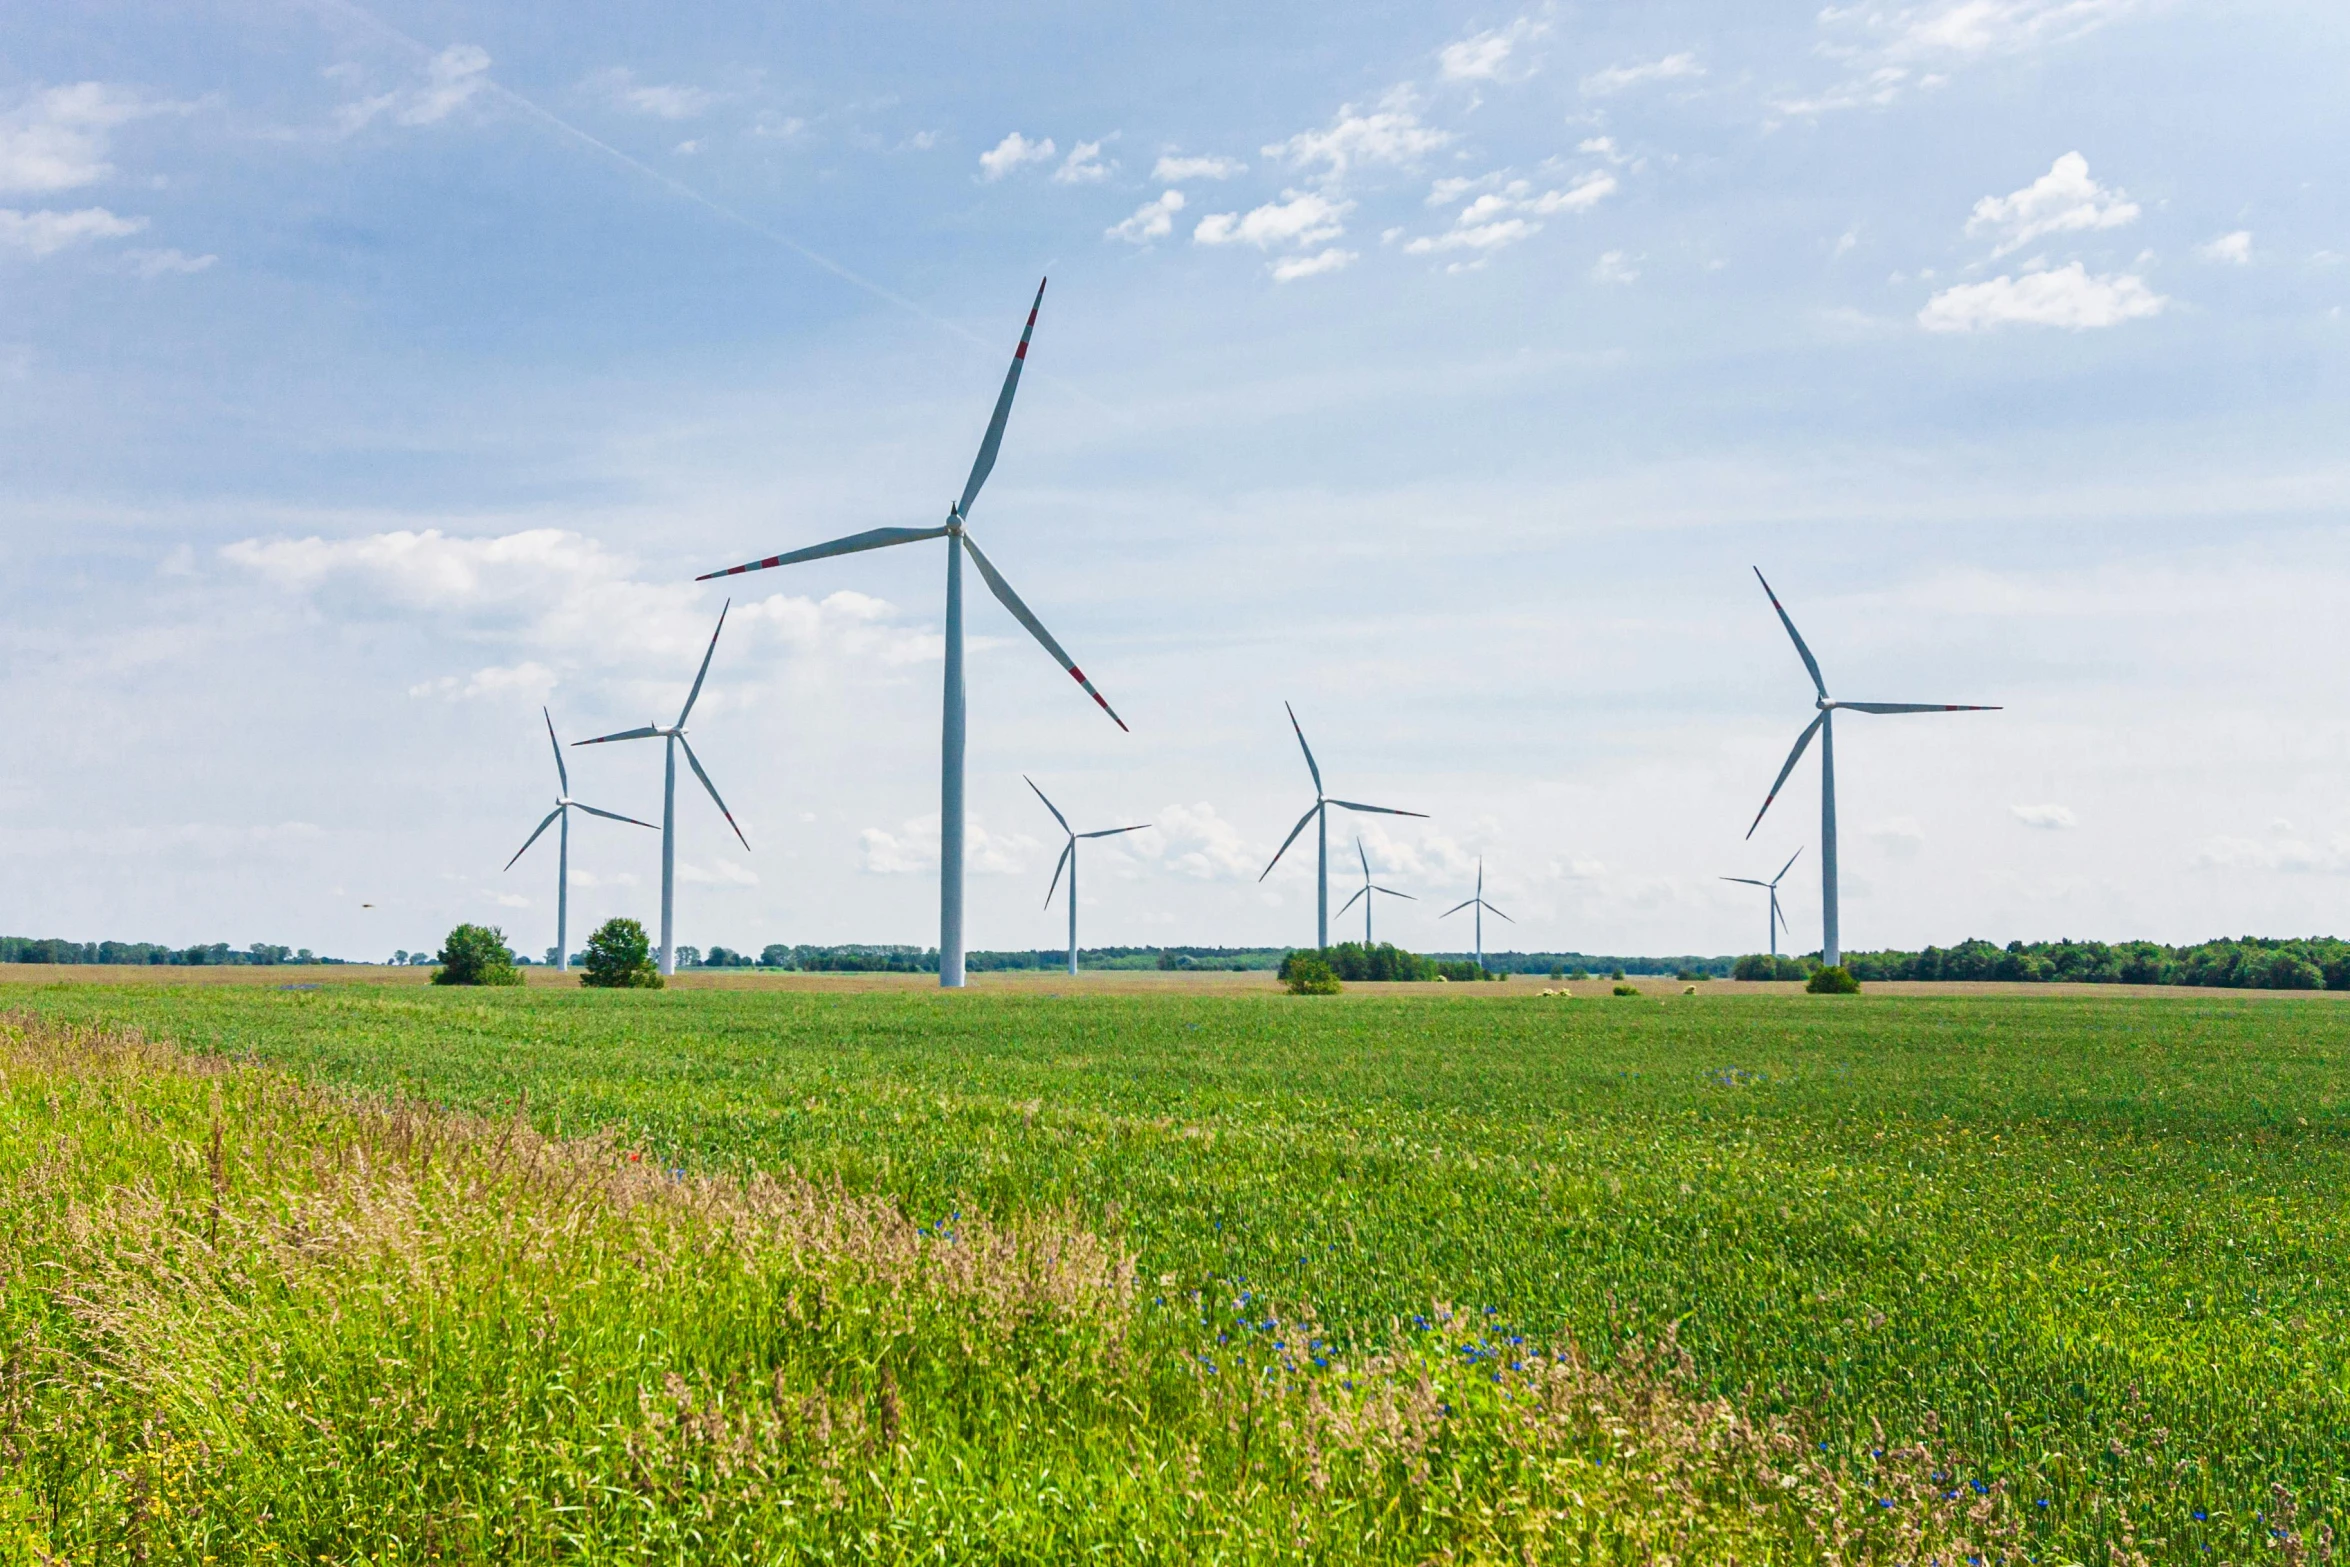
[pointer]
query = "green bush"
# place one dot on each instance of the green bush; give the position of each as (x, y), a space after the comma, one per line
(476, 955)
(1835, 980)
(1627, 990)
(1307, 974)
(618, 957)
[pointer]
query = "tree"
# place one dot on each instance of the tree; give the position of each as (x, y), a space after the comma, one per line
(1834, 980)
(1309, 974)
(775, 955)
(476, 955)
(618, 957)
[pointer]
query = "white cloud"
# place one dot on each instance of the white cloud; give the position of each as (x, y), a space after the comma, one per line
(2049, 818)
(1291, 268)
(1505, 216)
(1899, 837)
(532, 680)
(166, 263)
(1614, 267)
(1174, 168)
(2066, 297)
(1614, 79)
(2284, 852)
(1152, 220)
(1891, 48)
(718, 873)
(46, 233)
(1485, 56)
(1391, 134)
(2064, 200)
(1084, 166)
(1299, 218)
(57, 138)
(2232, 249)
(663, 101)
(913, 849)
(452, 79)
(1010, 153)
(1193, 841)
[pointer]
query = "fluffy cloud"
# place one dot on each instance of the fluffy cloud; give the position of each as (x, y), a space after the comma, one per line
(2065, 200)
(1291, 268)
(662, 101)
(57, 138)
(532, 680)
(46, 233)
(718, 873)
(1298, 218)
(1013, 151)
(1614, 79)
(2048, 818)
(1390, 134)
(913, 849)
(1485, 56)
(2067, 297)
(1084, 165)
(166, 263)
(451, 80)
(1152, 220)
(1173, 168)
(1505, 216)
(1892, 48)
(1614, 266)
(2229, 249)
(1193, 841)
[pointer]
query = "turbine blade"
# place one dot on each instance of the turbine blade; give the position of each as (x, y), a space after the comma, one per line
(984, 463)
(695, 763)
(1286, 842)
(1066, 855)
(643, 732)
(562, 773)
(1301, 745)
(1383, 810)
(870, 539)
(1048, 805)
(1784, 869)
(703, 673)
(1112, 832)
(1916, 707)
(1456, 908)
(1782, 914)
(1496, 913)
(1747, 880)
(1391, 892)
(1020, 612)
(1809, 662)
(612, 816)
(534, 837)
(1802, 740)
(1360, 894)
(1360, 855)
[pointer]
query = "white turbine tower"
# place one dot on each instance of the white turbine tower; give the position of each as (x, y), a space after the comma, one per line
(1483, 908)
(1368, 889)
(1320, 814)
(955, 531)
(674, 735)
(1830, 952)
(564, 806)
(1069, 860)
(1777, 919)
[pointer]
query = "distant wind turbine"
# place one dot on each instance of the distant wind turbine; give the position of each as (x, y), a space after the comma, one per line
(1069, 859)
(955, 531)
(1830, 952)
(674, 734)
(1777, 919)
(1320, 815)
(564, 806)
(1483, 908)
(1368, 889)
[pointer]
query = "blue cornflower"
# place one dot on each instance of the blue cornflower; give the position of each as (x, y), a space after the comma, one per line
(1980, 1488)
(2043, 1502)
(1319, 1361)
(1278, 1346)
(1885, 1502)
(2198, 1515)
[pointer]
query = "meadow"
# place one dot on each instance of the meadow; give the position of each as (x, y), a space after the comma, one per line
(1178, 1272)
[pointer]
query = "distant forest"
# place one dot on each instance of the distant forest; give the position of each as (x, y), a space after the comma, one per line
(49, 949)
(2246, 963)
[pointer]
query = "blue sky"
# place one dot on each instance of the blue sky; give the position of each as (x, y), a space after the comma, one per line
(370, 377)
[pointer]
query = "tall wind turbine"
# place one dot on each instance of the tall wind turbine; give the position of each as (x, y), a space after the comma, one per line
(1069, 860)
(1320, 815)
(1368, 889)
(564, 806)
(1777, 919)
(955, 531)
(1482, 907)
(674, 735)
(1830, 952)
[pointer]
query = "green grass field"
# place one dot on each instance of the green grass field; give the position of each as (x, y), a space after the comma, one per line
(2047, 1277)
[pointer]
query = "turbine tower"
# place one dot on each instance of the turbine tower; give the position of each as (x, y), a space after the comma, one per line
(1830, 952)
(1320, 814)
(955, 531)
(1069, 859)
(1483, 908)
(674, 735)
(1365, 894)
(1777, 919)
(564, 806)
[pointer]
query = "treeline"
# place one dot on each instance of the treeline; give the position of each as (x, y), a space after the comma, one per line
(2246, 963)
(1355, 963)
(50, 949)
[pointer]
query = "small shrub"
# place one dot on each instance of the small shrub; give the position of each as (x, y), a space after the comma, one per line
(1308, 974)
(1627, 990)
(1834, 981)
(1615, 974)
(619, 957)
(476, 955)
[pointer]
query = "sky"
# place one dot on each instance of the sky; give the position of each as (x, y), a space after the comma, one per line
(373, 377)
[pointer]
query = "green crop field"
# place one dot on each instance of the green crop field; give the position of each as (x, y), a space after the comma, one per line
(767, 1274)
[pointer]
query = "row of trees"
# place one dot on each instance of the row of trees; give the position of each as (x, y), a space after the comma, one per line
(2246, 963)
(50, 949)
(1356, 963)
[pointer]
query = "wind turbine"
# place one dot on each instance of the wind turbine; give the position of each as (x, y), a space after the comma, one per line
(1830, 952)
(1482, 907)
(564, 806)
(1368, 889)
(955, 531)
(1777, 919)
(1320, 813)
(1069, 859)
(674, 734)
